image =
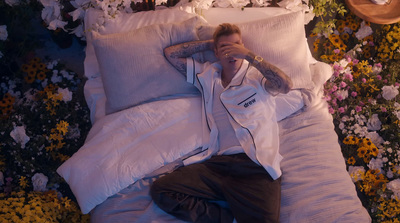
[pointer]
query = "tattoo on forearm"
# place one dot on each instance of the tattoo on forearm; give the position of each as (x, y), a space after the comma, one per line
(187, 49)
(177, 54)
(277, 80)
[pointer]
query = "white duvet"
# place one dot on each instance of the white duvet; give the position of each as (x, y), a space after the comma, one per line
(123, 147)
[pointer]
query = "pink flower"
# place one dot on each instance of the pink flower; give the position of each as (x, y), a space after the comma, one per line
(343, 84)
(336, 73)
(396, 84)
(331, 110)
(337, 67)
(364, 80)
(341, 110)
(385, 81)
(354, 94)
(355, 61)
(328, 98)
(348, 76)
(358, 108)
(383, 109)
(379, 77)
(337, 51)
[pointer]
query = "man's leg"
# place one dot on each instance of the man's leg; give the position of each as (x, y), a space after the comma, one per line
(188, 193)
(252, 194)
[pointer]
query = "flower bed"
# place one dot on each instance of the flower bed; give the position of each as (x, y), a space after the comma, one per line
(363, 97)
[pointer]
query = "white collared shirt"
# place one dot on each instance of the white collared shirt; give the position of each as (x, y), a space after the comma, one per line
(251, 112)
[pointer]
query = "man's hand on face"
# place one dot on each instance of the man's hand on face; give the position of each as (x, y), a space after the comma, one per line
(231, 49)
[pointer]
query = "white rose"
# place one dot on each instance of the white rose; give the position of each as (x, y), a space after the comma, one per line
(394, 186)
(39, 181)
(375, 138)
(356, 172)
(12, 2)
(3, 32)
(66, 94)
(375, 164)
(290, 4)
(19, 135)
(364, 31)
(390, 92)
(374, 124)
(343, 94)
(397, 114)
(202, 4)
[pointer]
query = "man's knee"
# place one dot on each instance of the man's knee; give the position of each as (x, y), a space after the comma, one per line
(155, 192)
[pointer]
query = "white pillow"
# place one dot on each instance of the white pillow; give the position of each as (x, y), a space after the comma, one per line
(279, 40)
(133, 67)
(125, 22)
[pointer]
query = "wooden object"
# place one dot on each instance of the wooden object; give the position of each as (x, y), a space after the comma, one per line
(379, 14)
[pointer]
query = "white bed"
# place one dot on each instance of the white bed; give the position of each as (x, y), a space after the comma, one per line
(147, 119)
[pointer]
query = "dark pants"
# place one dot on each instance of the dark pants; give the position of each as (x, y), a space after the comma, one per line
(192, 192)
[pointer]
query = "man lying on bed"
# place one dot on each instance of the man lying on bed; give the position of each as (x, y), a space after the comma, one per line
(241, 164)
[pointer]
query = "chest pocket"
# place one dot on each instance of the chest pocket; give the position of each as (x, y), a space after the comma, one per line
(244, 105)
(249, 101)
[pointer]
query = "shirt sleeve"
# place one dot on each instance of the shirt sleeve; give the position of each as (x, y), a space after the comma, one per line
(193, 67)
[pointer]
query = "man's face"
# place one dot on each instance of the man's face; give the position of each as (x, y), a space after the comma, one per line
(229, 63)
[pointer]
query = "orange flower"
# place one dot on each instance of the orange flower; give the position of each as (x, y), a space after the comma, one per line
(351, 161)
(41, 75)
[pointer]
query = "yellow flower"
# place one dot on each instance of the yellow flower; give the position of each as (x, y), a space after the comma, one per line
(362, 151)
(23, 182)
(55, 137)
(60, 145)
(41, 75)
(50, 148)
(62, 127)
(351, 161)
(351, 140)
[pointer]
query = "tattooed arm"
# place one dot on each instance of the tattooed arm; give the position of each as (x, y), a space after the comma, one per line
(277, 80)
(177, 54)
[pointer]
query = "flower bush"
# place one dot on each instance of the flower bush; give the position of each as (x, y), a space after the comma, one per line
(68, 16)
(44, 120)
(363, 97)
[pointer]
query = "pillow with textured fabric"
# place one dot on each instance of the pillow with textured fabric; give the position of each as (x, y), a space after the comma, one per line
(279, 40)
(125, 22)
(133, 67)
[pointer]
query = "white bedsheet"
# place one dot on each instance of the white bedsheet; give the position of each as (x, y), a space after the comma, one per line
(315, 184)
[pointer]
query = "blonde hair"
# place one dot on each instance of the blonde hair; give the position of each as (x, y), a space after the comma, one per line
(225, 29)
